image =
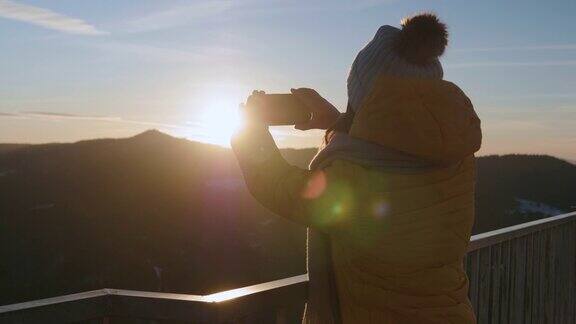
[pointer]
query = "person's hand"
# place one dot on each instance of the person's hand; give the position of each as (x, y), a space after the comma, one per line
(255, 97)
(252, 141)
(254, 100)
(324, 114)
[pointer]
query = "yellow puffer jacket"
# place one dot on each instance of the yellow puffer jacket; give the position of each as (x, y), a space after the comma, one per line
(398, 240)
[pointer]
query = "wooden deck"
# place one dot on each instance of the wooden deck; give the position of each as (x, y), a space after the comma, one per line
(519, 274)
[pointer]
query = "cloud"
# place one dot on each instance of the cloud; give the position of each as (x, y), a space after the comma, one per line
(65, 116)
(366, 4)
(182, 15)
(535, 96)
(545, 130)
(46, 18)
(56, 115)
(155, 124)
(10, 115)
(167, 54)
(178, 16)
(556, 47)
(509, 64)
(515, 125)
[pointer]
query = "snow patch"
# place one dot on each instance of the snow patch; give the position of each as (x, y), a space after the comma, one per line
(42, 207)
(528, 206)
(158, 272)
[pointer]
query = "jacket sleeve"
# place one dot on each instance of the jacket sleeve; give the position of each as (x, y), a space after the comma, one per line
(284, 189)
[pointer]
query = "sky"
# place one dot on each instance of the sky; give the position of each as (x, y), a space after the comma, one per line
(73, 70)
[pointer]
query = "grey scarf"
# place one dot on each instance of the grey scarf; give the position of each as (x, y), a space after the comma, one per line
(323, 306)
(367, 154)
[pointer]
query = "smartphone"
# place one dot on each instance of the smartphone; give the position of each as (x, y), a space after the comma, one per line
(277, 109)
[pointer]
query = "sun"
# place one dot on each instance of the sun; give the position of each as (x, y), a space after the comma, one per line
(218, 120)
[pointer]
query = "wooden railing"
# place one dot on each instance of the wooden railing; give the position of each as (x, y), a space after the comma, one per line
(525, 273)
(278, 301)
(519, 274)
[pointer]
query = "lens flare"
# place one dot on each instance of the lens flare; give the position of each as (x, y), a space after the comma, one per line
(315, 186)
(337, 209)
(380, 209)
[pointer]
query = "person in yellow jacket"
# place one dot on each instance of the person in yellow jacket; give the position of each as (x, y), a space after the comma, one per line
(389, 198)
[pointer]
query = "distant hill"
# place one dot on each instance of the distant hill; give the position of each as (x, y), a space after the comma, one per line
(11, 147)
(151, 212)
(154, 212)
(513, 189)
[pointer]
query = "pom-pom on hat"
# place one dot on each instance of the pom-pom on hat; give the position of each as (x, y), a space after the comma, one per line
(410, 52)
(422, 40)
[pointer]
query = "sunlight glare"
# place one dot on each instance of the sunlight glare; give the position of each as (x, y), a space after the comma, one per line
(229, 294)
(218, 121)
(244, 291)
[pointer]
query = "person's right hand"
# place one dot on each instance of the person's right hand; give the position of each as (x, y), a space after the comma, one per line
(324, 114)
(255, 99)
(252, 141)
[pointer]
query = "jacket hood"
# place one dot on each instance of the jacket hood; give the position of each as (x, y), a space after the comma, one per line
(430, 119)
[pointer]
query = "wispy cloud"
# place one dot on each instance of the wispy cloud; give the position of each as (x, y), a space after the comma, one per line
(168, 54)
(549, 130)
(559, 120)
(178, 15)
(550, 47)
(366, 4)
(550, 95)
(9, 115)
(46, 18)
(66, 116)
(282, 7)
(155, 124)
(510, 64)
(181, 15)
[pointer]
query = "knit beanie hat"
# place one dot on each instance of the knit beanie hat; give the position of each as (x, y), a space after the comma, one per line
(410, 52)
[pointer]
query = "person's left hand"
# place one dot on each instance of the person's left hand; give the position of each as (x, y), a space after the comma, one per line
(324, 114)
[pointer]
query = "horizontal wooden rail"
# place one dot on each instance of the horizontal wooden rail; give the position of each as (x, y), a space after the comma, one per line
(236, 303)
(479, 241)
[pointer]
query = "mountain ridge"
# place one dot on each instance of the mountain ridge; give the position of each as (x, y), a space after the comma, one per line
(156, 134)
